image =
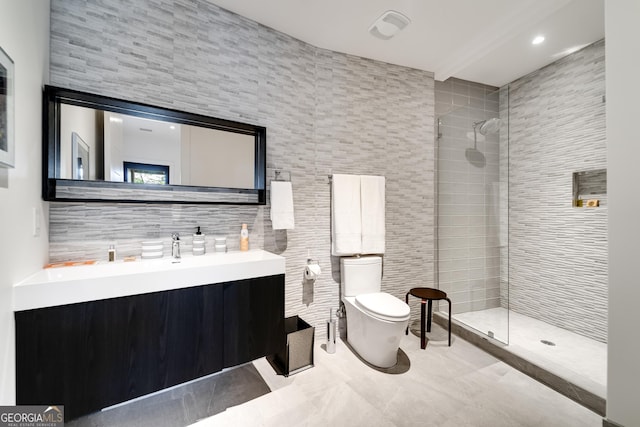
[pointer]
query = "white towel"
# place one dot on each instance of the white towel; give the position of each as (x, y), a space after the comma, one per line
(373, 206)
(282, 205)
(346, 227)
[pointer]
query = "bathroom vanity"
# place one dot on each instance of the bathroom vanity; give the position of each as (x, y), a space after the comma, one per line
(89, 337)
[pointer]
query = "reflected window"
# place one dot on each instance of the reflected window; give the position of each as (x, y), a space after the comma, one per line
(142, 173)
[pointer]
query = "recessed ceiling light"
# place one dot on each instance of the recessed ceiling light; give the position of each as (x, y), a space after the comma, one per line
(537, 40)
(115, 119)
(172, 127)
(389, 24)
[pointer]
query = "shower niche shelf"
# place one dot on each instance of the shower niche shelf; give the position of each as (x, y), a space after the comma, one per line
(589, 188)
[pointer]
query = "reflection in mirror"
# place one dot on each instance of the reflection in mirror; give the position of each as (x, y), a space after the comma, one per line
(191, 153)
(142, 173)
(80, 164)
(80, 127)
(109, 143)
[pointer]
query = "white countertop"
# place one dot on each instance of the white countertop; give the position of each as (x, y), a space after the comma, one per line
(68, 285)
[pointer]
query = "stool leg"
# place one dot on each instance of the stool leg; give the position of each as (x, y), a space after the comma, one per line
(406, 300)
(423, 341)
(449, 301)
(429, 317)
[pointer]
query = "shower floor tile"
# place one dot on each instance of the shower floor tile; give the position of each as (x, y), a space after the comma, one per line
(578, 359)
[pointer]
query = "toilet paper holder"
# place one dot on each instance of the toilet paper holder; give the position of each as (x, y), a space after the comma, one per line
(312, 269)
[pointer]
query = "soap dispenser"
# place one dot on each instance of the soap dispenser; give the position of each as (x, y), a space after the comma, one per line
(198, 243)
(244, 238)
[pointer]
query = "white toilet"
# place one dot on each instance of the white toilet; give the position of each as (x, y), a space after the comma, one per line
(375, 320)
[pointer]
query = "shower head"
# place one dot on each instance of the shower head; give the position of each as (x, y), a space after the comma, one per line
(484, 127)
(488, 126)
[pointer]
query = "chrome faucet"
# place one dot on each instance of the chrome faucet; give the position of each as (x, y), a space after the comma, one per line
(175, 246)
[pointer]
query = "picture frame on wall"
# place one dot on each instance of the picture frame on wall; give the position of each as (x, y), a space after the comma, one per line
(79, 157)
(7, 138)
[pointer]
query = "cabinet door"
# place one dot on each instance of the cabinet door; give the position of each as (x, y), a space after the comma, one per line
(54, 357)
(92, 355)
(253, 319)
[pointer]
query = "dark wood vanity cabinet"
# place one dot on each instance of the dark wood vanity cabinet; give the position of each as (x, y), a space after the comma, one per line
(92, 355)
(255, 325)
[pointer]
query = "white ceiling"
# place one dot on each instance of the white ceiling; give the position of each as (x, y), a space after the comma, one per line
(135, 128)
(486, 41)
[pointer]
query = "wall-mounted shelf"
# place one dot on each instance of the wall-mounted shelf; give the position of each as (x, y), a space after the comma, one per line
(589, 188)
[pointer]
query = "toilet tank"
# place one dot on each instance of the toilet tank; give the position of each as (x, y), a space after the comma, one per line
(360, 275)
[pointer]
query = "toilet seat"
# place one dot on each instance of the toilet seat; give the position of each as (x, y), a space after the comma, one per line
(383, 306)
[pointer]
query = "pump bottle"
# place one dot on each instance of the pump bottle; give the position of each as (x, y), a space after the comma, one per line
(244, 238)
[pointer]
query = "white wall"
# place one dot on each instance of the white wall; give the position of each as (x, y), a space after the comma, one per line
(113, 148)
(82, 121)
(155, 148)
(207, 166)
(623, 152)
(24, 35)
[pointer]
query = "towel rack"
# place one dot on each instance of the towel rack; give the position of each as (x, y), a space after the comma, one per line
(278, 175)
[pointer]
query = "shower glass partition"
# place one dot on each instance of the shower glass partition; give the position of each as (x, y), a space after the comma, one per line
(472, 208)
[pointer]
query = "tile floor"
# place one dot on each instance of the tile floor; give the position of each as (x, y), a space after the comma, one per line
(184, 404)
(578, 359)
(440, 386)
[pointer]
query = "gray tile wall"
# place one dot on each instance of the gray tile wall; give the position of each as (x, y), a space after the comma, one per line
(325, 112)
(558, 253)
(468, 189)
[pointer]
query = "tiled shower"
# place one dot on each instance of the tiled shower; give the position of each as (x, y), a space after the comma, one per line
(469, 189)
(515, 248)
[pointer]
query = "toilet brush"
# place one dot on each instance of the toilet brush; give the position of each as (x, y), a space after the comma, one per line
(331, 333)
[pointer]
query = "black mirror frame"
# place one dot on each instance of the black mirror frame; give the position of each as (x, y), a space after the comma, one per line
(58, 189)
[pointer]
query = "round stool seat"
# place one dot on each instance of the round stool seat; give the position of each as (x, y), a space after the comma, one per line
(428, 293)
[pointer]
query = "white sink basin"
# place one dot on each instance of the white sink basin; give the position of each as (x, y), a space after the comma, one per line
(68, 285)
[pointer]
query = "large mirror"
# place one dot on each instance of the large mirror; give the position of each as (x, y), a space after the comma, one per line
(105, 149)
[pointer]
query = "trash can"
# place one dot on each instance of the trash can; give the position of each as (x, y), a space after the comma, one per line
(298, 353)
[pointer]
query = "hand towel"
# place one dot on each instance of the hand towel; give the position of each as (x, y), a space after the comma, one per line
(282, 205)
(346, 229)
(372, 197)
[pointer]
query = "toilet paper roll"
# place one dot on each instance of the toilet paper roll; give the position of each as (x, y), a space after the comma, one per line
(312, 271)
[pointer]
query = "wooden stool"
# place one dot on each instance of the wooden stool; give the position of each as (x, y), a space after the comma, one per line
(428, 295)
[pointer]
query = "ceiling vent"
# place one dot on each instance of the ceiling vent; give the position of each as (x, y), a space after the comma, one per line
(389, 24)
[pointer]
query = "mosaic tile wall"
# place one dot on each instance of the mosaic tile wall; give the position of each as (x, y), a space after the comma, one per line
(325, 113)
(558, 253)
(468, 190)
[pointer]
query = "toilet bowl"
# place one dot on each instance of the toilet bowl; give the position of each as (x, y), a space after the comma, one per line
(375, 320)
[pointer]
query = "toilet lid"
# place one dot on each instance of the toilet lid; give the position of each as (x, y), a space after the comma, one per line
(383, 306)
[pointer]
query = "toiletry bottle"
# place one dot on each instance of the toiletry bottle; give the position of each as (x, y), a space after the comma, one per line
(112, 253)
(198, 243)
(244, 238)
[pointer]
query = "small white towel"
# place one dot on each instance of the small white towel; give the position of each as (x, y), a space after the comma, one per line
(282, 205)
(372, 198)
(346, 227)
